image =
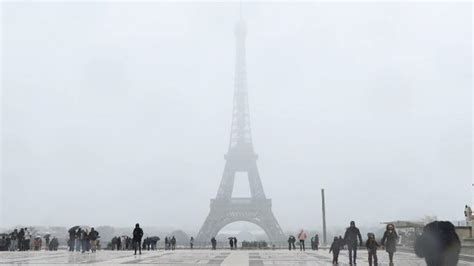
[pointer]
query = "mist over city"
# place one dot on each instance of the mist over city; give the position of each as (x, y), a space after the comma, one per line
(115, 113)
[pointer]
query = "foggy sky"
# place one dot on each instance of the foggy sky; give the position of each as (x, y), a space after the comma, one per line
(116, 113)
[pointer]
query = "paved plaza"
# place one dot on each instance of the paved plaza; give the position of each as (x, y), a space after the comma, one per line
(200, 257)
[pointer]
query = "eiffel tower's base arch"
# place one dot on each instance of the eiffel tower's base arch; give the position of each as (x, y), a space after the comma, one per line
(224, 212)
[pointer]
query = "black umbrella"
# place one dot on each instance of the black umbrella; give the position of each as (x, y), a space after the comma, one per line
(47, 235)
(154, 238)
(74, 229)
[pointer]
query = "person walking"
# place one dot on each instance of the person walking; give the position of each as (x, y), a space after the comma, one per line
(137, 238)
(372, 245)
(231, 243)
(191, 242)
(235, 242)
(389, 241)
(350, 238)
(335, 248)
(302, 237)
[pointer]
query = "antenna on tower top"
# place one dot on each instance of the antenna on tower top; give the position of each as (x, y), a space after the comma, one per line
(240, 10)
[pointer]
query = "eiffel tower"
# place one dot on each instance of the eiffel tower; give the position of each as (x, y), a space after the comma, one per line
(257, 208)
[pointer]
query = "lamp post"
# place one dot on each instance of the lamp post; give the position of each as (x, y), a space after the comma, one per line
(324, 216)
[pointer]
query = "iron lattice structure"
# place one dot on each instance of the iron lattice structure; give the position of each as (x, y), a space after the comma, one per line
(241, 157)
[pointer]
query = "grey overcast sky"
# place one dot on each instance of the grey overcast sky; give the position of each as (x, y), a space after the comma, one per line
(115, 113)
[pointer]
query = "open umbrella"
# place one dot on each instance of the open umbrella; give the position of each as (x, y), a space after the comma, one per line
(73, 229)
(154, 238)
(47, 235)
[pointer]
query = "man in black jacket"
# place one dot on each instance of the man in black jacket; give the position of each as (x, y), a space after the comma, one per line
(137, 238)
(350, 238)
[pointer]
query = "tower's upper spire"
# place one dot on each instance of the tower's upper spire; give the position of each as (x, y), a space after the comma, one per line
(240, 9)
(240, 28)
(240, 137)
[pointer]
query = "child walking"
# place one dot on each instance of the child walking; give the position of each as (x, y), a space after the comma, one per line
(335, 248)
(372, 246)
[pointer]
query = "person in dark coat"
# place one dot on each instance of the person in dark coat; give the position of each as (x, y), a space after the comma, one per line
(316, 242)
(46, 240)
(21, 240)
(235, 242)
(389, 241)
(439, 244)
(118, 243)
(341, 242)
(85, 241)
(54, 244)
(3, 244)
(213, 242)
(372, 245)
(350, 238)
(335, 248)
(8, 243)
(291, 242)
(137, 238)
(14, 240)
(173, 243)
(231, 243)
(77, 242)
(93, 236)
(146, 244)
(72, 240)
